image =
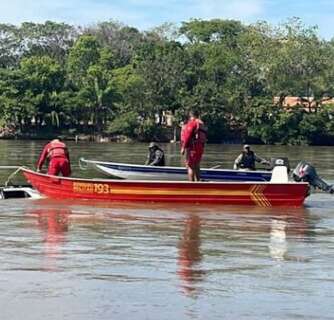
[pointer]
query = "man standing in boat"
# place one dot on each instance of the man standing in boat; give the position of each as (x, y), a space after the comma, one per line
(247, 159)
(155, 156)
(193, 139)
(58, 156)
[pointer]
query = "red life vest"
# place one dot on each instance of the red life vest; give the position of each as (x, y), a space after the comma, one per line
(193, 133)
(200, 134)
(57, 149)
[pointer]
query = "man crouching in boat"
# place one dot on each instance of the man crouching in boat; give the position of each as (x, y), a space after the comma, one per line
(247, 159)
(193, 139)
(59, 161)
(155, 156)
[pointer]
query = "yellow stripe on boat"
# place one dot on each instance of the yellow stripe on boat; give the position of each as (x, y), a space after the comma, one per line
(102, 188)
(258, 197)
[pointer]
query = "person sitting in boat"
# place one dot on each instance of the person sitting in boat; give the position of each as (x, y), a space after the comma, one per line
(57, 154)
(247, 159)
(155, 156)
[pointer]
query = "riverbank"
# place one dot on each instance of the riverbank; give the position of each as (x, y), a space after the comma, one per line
(167, 135)
(68, 137)
(163, 135)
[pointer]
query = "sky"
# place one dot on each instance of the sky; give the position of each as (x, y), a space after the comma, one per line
(146, 14)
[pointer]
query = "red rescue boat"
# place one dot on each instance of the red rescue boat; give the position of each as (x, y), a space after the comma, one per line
(264, 194)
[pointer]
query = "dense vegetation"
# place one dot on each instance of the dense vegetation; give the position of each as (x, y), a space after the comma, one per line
(113, 79)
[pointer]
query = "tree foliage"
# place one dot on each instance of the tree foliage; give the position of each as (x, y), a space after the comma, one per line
(112, 78)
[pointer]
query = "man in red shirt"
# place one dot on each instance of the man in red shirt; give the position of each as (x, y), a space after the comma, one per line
(192, 143)
(59, 161)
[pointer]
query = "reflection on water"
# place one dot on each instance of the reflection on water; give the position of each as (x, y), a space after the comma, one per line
(278, 244)
(54, 225)
(190, 254)
(86, 260)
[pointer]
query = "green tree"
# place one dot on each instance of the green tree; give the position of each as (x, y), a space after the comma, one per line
(89, 69)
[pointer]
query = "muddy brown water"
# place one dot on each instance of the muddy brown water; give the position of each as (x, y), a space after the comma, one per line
(83, 260)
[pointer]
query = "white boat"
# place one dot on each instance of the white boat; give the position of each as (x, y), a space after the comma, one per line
(144, 172)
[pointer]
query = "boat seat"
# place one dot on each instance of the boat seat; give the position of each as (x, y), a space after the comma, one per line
(279, 174)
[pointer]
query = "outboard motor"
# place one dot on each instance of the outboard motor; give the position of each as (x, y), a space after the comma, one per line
(307, 173)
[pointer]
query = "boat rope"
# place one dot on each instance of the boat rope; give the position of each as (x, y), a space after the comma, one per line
(83, 165)
(12, 175)
(9, 167)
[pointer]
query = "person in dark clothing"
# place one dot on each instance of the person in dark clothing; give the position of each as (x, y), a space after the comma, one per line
(247, 159)
(155, 156)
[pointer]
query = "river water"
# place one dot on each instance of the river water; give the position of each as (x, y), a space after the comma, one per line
(73, 260)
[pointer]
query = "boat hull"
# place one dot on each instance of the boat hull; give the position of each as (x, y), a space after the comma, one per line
(229, 193)
(142, 172)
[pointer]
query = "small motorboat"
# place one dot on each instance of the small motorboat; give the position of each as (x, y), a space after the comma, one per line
(143, 172)
(11, 191)
(278, 192)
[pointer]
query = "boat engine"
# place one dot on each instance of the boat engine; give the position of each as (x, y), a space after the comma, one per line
(307, 173)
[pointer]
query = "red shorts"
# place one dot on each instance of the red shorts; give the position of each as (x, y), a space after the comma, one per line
(194, 155)
(59, 165)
